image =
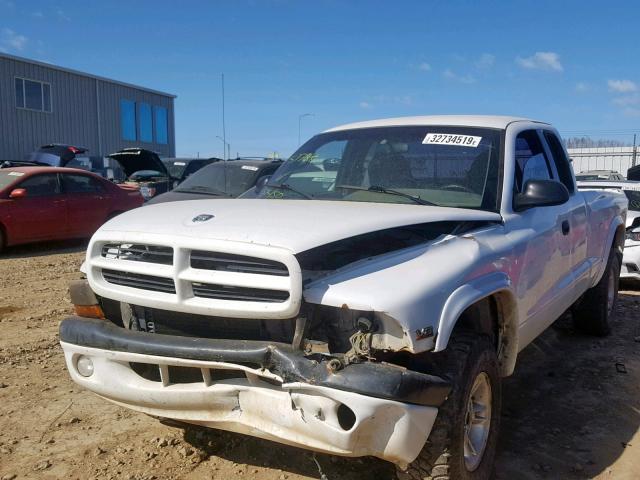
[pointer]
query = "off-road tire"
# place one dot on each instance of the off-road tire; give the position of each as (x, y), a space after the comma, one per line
(594, 313)
(442, 457)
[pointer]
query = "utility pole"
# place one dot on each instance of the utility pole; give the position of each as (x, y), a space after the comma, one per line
(224, 130)
(635, 150)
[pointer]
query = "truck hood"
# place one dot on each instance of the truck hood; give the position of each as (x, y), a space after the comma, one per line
(297, 225)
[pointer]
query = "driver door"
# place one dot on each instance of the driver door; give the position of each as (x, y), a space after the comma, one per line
(42, 214)
(544, 255)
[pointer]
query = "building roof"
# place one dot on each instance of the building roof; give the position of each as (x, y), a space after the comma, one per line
(84, 74)
(488, 121)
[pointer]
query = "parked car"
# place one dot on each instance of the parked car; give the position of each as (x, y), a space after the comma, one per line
(52, 203)
(145, 171)
(221, 180)
(631, 259)
(633, 173)
(599, 175)
(183, 168)
(360, 315)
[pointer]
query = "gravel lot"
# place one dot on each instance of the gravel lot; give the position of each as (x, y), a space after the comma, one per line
(572, 410)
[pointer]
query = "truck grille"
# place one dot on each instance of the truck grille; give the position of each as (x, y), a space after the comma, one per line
(197, 276)
(136, 280)
(225, 292)
(138, 253)
(236, 263)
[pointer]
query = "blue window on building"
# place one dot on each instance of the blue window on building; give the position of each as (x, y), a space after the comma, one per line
(145, 126)
(128, 120)
(162, 135)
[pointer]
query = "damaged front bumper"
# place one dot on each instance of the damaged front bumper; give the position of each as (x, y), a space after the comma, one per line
(264, 389)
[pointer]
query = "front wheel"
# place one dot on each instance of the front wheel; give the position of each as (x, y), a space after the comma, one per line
(462, 443)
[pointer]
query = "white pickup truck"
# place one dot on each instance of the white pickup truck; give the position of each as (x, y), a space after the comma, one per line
(367, 302)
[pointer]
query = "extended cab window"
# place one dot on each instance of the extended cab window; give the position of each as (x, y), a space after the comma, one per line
(531, 161)
(41, 185)
(560, 159)
(80, 184)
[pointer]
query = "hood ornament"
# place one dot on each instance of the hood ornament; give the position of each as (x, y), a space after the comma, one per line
(203, 217)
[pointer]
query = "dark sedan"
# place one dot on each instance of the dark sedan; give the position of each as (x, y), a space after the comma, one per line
(220, 180)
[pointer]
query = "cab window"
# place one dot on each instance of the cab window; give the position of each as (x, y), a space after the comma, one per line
(531, 161)
(563, 167)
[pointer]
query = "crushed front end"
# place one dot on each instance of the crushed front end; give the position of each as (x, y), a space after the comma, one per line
(217, 333)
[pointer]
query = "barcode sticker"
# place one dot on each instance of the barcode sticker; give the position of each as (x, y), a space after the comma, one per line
(448, 139)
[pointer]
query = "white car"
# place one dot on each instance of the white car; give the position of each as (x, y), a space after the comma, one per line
(359, 309)
(631, 258)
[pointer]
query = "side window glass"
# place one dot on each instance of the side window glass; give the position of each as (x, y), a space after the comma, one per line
(560, 159)
(531, 162)
(40, 186)
(80, 184)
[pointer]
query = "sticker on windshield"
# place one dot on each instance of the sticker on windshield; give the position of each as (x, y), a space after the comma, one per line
(180, 164)
(447, 139)
(16, 174)
(249, 167)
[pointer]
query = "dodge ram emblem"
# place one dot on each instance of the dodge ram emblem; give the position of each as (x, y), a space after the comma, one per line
(202, 217)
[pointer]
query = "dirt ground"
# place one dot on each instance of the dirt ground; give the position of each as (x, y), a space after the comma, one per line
(572, 410)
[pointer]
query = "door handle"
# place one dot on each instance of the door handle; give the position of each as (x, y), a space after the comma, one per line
(565, 227)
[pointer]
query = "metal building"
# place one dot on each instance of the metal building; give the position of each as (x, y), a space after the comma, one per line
(42, 104)
(618, 159)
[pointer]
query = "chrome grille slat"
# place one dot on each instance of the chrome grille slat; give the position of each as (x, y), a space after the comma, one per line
(236, 263)
(135, 252)
(224, 292)
(135, 280)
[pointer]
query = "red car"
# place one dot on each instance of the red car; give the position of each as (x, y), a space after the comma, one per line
(53, 203)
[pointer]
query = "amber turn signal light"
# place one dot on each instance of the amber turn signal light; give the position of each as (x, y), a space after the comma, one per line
(90, 311)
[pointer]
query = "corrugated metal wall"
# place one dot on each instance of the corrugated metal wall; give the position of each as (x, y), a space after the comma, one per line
(619, 159)
(74, 116)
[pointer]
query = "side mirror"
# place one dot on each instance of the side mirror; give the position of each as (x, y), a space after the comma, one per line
(540, 193)
(262, 182)
(18, 193)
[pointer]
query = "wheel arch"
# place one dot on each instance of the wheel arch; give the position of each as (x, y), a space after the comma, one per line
(485, 306)
(615, 239)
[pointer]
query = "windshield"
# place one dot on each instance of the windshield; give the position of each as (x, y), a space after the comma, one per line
(228, 178)
(175, 167)
(44, 158)
(591, 177)
(444, 166)
(8, 177)
(634, 199)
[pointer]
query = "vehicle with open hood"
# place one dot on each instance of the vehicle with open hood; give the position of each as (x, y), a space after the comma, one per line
(145, 170)
(221, 180)
(368, 302)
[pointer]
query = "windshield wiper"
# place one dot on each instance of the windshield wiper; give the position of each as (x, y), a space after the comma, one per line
(379, 189)
(201, 189)
(286, 186)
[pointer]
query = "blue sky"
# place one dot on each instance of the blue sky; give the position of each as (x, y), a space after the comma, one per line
(573, 63)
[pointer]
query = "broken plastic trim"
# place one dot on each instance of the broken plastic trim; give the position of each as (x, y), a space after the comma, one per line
(379, 380)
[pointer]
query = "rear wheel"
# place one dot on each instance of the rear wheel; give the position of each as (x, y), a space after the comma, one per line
(462, 443)
(2, 240)
(594, 313)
